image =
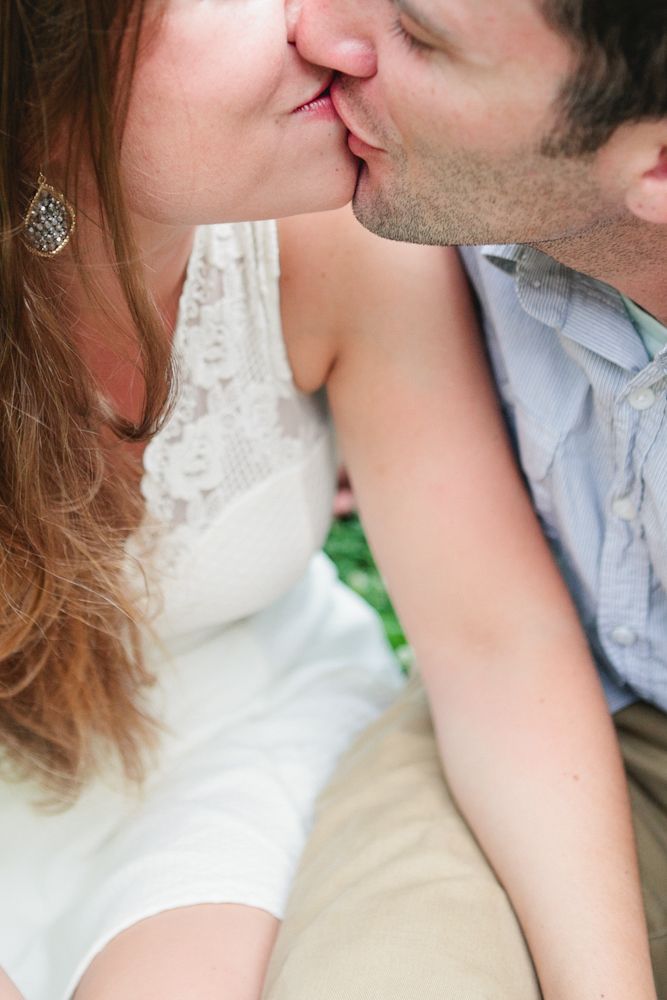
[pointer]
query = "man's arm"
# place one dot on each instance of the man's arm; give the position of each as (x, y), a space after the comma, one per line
(523, 729)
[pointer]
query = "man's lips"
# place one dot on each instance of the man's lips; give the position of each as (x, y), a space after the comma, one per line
(343, 114)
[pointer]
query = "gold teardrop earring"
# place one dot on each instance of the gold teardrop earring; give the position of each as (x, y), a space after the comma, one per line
(49, 222)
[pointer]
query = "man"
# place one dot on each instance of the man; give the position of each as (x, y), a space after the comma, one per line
(536, 131)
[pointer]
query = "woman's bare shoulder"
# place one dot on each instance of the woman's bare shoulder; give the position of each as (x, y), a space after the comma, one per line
(341, 281)
(313, 250)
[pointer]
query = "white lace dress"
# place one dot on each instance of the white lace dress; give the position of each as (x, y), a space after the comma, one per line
(267, 667)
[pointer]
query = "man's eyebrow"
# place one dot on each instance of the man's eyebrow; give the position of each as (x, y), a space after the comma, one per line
(406, 7)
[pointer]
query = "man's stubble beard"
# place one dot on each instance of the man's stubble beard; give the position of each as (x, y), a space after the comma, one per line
(437, 214)
(466, 198)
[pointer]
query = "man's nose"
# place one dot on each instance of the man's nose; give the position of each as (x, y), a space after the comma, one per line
(334, 34)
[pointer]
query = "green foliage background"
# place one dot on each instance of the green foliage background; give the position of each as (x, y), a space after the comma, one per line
(349, 550)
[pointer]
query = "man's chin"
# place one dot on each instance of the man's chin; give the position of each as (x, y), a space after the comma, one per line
(370, 204)
(379, 210)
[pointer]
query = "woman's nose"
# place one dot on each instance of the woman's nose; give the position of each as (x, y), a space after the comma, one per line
(334, 34)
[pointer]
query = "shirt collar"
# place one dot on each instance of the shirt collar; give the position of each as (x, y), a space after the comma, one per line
(586, 311)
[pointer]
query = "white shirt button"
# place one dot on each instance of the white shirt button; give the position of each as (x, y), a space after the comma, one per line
(624, 636)
(624, 508)
(642, 399)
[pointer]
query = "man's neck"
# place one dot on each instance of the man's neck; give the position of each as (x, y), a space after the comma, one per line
(630, 257)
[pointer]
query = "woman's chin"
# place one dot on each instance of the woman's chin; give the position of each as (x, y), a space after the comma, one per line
(329, 183)
(332, 189)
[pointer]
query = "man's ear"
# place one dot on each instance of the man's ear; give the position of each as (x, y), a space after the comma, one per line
(646, 177)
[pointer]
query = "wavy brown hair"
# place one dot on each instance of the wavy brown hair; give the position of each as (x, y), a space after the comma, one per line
(71, 666)
(619, 74)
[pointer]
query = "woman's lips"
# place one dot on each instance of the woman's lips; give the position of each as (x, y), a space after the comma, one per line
(320, 95)
(320, 103)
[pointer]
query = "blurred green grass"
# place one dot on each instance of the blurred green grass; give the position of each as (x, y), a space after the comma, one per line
(347, 547)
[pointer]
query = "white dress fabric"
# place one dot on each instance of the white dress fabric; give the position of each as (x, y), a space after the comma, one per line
(266, 666)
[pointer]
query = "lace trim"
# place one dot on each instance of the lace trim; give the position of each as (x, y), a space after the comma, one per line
(238, 417)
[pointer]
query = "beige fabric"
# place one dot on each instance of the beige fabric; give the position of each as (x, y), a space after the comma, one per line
(394, 900)
(642, 732)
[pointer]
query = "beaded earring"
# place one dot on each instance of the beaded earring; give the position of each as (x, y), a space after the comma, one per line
(49, 221)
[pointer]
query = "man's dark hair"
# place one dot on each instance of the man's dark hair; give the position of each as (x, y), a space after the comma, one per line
(620, 74)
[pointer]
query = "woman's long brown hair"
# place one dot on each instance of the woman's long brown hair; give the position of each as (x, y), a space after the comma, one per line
(71, 668)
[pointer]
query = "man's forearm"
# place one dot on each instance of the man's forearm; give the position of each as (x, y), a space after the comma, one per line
(532, 758)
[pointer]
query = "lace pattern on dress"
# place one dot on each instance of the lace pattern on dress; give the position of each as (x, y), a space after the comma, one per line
(238, 419)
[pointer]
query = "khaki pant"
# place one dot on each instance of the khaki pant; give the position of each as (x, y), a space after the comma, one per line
(394, 899)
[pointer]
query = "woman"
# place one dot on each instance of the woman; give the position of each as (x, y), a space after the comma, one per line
(176, 545)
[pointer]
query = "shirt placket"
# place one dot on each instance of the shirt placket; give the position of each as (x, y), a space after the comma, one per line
(623, 609)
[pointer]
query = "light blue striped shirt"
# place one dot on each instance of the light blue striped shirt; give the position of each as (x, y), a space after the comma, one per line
(587, 407)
